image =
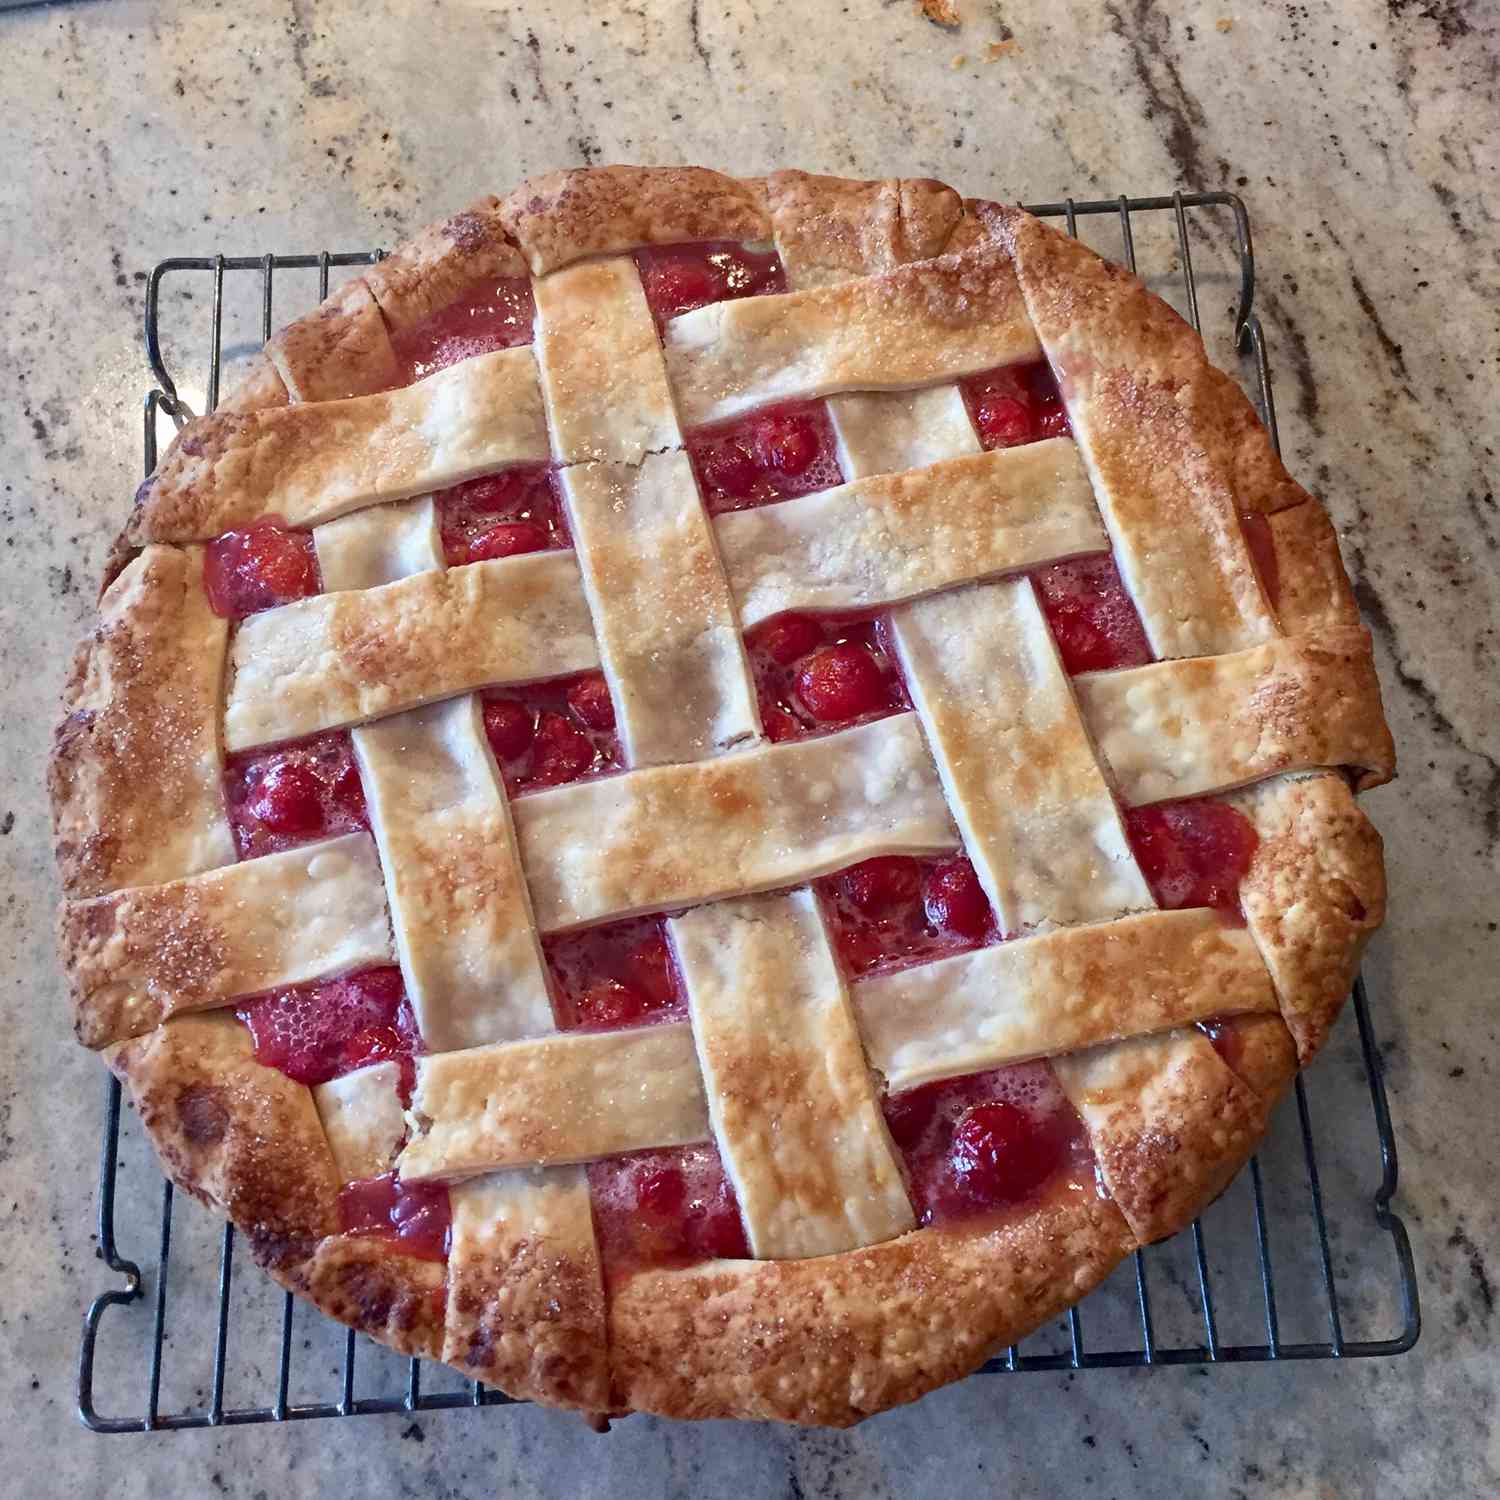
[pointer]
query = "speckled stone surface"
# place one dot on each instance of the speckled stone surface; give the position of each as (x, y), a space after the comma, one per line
(1362, 136)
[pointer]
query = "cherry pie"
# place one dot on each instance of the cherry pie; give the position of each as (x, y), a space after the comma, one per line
(711, 795)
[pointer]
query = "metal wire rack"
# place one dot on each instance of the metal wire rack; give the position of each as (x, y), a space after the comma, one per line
(1278, 1269)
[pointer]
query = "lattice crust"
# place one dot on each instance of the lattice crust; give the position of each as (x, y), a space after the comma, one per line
(897, 293)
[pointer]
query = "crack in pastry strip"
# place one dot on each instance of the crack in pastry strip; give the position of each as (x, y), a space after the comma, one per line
(775, 815)
(1128, 366)
(363, 1119)
(664, 618)
(311, 463)
(601, 365)
(138, 956)
(1037, 816)
(779, 1047)
(881, 540)
(1042, 996)
(915, 326)
(525, 1304)
(338, 659)
(1186, 728)
(137, 770)
(571, 1097)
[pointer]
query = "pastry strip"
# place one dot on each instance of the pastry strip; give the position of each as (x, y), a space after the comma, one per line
(1037, 816)
(338, 659)
(917, 325)
(363, 1120)
(1040, 996)
(601, 365)
(570, 1097)
(1184, 728)
(139, 956)
(306, 464)
(662, 611)
(379, 545)
(774, 815)
(789, 1092)
(878, 541)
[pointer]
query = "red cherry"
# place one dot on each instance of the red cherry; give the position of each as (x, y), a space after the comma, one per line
(509, 727)
(648, 967)
(607, 1002)
(729, 470)
(288, 798)
(349, 794)
(381, 989)
(879, 884)
(1002, 421)
(661, 1192)
(562, 751)
(373, 1044)
(492, 494)
(777, 722)
(1051, 419)
(509, 539)
(999, 1154)
(677, 286)
(265, 565)
(590, 701)
(956, 901)
(1193, 853)
(788, 444)
(842, 682)
(909, 1114)
(786, 639)
(721, 1232)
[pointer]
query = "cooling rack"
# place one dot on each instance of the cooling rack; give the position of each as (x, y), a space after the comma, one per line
(1300, 1259)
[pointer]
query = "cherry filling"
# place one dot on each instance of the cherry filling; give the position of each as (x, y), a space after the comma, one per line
(820, 672)
(1092, 617)
(496, 314)
(547, 733)
(1016, 404)
(266, 564)
(772, 455)
(977, 1144)
(502, 515)
(896, 910)
(678, 278)
(306, 790)
(416, 1216)
(672, 1206)
(616, 976)
(1193, 853)
(1262, 545)
(1228, 1040)
(314, 1032)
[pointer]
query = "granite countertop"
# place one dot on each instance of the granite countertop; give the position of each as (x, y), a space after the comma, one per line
(1362, 136)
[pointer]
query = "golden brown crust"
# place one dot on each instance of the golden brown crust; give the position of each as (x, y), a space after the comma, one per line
(1313, 895)
(433, 268)
(830, 1341)
(1170, 1124)
(370, 1285)
(136, 771)
(243, 1138)
(1312, 589)
(580, 211)
(832, 228)
(260, 386)
(1260, 1050)
(339, 349)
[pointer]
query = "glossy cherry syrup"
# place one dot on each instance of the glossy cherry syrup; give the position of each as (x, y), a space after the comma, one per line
(314, 1032)
(1093, 619)
(771, 455)
(987, 1142)
(258, 567)
(897, 910)
(490, 315)
(1015, 404)
(1193, 853)
(678, 278)
(814, 673)
(293, 794)
(670, 1207)
(611, 977)
(1262, 545)
(416, 1217)
(502, 515)
(548, 733)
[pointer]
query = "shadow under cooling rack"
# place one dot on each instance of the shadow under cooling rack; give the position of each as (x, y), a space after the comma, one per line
(1283, 1266)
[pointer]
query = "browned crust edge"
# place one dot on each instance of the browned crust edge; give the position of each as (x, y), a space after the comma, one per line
(877, 1326)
